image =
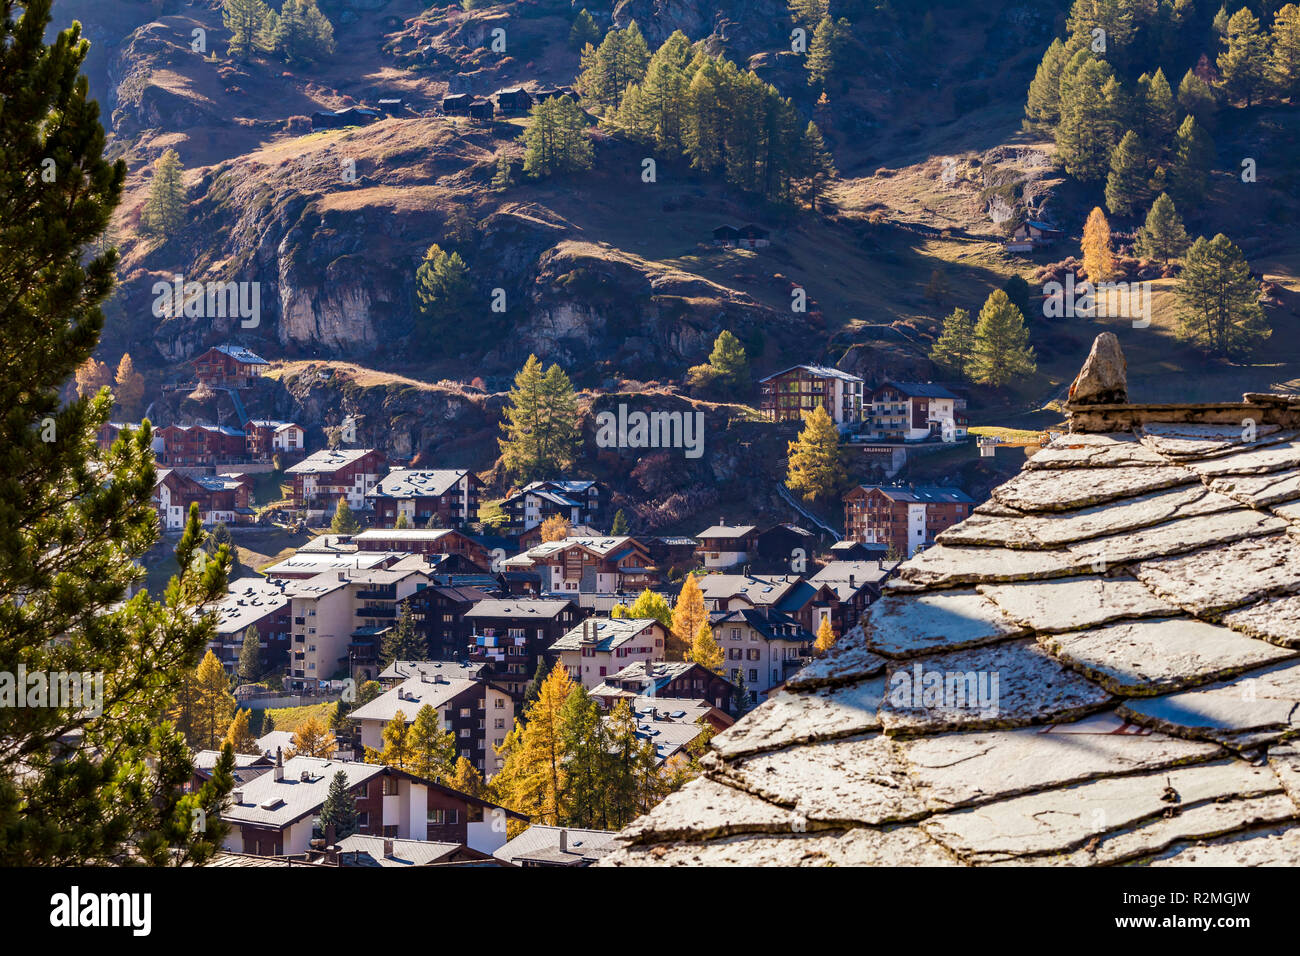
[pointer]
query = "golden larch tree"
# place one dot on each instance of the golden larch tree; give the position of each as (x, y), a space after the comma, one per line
(240, 737)
(214, 704)
(825, 637)
(705, 649)
(531, 779)
(555, 528)
(1098, 255)
(129, 388)
(311, 739)
(688, 614)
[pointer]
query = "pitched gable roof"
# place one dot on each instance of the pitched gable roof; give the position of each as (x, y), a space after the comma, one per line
(1116, 628)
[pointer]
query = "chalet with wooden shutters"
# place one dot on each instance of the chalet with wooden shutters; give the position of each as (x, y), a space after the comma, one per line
(451, 496)
(513, 100)
(763, 647)
(725, 546)
(594, 572)
(782, 549)
(845, 590)
(1030, 236)
(109, 432)
(427, 541)
(438, 613)
(731, 592)
(480, 109)
(457, 104)
(322, 478)
(668, 680)
(188, 446)
(510, 635)
(550, 93)
(477, 712)
(229, 366)
(786, 395)
(220, 498)
(348, 116)
(264, 438)
(741, 237)
(916, 411)
(906, 518)
(577, 501)
(601, 647)
(276, 813)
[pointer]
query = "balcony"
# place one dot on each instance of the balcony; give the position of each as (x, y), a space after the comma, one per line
(376, 612)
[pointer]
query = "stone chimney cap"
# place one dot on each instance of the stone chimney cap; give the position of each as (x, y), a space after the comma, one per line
(1103, 380)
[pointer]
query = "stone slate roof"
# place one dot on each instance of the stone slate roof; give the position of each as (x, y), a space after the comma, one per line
(1134, 592)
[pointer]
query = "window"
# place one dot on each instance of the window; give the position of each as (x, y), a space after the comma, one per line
(500, 704)
(464, 711)
(753, 674)
(390, 786)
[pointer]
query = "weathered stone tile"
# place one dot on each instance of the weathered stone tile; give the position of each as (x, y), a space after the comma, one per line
(1066, 819)
(1259, 491)
(798, 717)
(951, 770)
(1187, 440)
(1276, 620)
(991, 507)
(1072, 604)
(1216, 579)
(1002, 685)
(1157, 656)
(1284, 758)
(861, 780)
(1289, 511)
(945, 566)
(1054, 530)
(705, 809)
(860, 846)
(848, 660)
(1094, 451)
(1194, 823)
(1177, 537)
(1275, 846)
(1251, 461)
(1074, 488)
(908, 626)
(1251, 708)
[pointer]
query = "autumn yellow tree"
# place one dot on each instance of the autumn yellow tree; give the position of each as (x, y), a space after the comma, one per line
(649, 604)
(466, 779)
(397, 745)
(531, 779)
(433, 750)
(555, 528)
(240, 737)
(1098, 255)
(825, 637)
(129, 390)
(816, 464)
(705, 649)
(214, 704)
(311, 739)
(688, 614)
(92, 375)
